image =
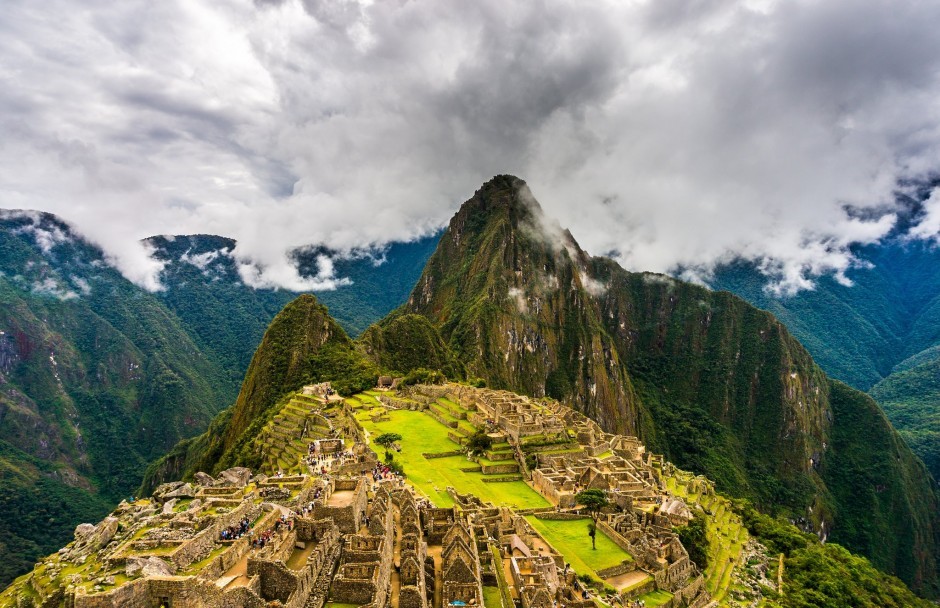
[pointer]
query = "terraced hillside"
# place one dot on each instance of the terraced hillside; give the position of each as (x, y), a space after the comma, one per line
(284, 441)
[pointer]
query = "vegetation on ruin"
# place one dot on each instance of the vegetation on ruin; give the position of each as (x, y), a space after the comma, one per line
(695, 540)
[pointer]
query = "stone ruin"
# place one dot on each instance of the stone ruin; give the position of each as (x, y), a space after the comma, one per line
(347, 540)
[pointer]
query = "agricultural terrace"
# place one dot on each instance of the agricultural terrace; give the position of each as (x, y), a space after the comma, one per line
(726, 536)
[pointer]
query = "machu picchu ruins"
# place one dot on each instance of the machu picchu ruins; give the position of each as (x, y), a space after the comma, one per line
(326, 522)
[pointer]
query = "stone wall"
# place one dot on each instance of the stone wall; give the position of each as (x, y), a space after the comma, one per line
(182, 592)
(500, 469)
(221, 564)
(615, 536)
(411, 597)
(277, 581)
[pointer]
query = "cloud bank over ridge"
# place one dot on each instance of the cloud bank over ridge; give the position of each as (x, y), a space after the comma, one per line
(664, 133)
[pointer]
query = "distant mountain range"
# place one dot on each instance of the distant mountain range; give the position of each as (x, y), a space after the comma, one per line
(99, 377)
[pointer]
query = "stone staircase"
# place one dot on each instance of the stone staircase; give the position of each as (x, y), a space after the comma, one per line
(284, 443)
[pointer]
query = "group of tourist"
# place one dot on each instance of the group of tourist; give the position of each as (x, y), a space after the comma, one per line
(283, 523)
(237, 531)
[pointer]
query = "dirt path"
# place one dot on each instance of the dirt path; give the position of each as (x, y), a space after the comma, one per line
(435, 552)
(237, 575)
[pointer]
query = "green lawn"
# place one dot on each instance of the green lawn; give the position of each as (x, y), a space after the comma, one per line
(492, 597)
(423, 434)
(570, 538)
(655, 598)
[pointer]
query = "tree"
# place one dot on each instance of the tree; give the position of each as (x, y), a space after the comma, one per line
(694, 538)
(479, 443)
(386, 440)
(593, 500)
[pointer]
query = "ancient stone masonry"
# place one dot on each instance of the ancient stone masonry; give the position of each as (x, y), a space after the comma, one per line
(331, 534)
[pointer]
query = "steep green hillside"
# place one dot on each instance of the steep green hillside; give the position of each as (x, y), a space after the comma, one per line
(97, 378)
(404, 343)
(911, 399)
(303, 345)
(879, 334)
(717, 385)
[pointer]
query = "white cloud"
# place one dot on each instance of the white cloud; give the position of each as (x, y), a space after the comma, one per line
(668, 133)
(928, 227)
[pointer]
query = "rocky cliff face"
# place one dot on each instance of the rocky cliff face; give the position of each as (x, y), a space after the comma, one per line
(513, 298)
(717, 385)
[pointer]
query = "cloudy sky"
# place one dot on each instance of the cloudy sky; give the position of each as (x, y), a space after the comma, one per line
(663, 132)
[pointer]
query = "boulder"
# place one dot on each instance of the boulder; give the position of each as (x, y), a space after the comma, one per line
(165, 488)
(185, 490)
(203, 479)
(236, 476)
(83, 531)
(155, 566)
(104, 533)
(168, 506)
(195, 504)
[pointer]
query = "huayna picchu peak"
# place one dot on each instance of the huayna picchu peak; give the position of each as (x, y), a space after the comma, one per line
(527, 403)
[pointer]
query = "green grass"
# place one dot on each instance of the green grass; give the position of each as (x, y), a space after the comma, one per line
(655, 598)
(423, 434)
(570, 538)
(492, 597)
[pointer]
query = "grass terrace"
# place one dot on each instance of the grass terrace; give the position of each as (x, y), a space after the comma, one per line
(422, 434)
(570, 538)
(492, 598)
(726, 536)
(656, 598)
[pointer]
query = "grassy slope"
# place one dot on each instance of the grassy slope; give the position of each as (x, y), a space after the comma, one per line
(422, 434)
(570, 538)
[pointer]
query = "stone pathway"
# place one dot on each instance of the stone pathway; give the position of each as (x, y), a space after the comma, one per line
(237, 575)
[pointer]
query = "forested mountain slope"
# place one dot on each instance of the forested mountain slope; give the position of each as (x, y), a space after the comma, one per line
(879, 334)
(97, 378)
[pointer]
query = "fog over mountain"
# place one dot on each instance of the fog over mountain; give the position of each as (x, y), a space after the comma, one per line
(776, 131)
